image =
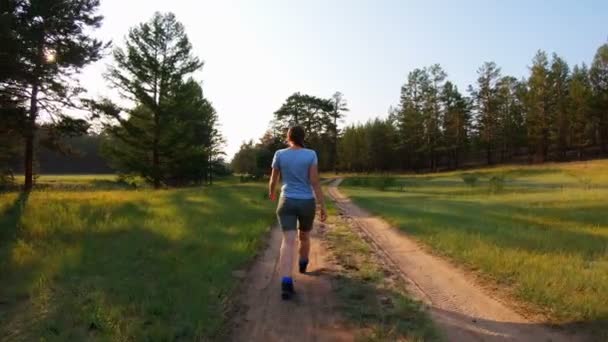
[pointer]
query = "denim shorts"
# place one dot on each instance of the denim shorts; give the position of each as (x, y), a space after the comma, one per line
(296, 213)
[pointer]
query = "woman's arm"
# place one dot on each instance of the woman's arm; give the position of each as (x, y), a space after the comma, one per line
(316, 185)
(272, 185)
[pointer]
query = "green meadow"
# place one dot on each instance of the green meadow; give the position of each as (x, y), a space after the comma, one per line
(540, 231)
(89, 260)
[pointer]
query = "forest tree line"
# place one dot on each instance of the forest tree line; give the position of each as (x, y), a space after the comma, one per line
(556, 113)
(167, 134)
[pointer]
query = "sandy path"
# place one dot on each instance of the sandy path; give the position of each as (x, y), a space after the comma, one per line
(462, 310)
(311, 316)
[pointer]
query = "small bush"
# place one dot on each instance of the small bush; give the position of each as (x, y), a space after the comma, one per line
(247, 178)
(7, 179)
(497, 183)
(386, 182)
(126, 180)
(359, 181)
(586, 182)
(470, 179)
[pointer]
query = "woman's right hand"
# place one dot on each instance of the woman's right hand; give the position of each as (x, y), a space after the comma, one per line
(323, 214)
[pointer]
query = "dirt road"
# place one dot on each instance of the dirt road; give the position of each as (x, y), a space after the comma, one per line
(311, 316)
(461, 309)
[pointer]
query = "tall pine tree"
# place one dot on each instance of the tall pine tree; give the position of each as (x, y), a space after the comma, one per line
(409, 119)
(456, 123)
(485, 102)
(539, 107)
(313, 113)
(340, 106)
(559, 78)
(433, 114)
(598, 74)
(47, 44)
(510, 121)
(150, 71)
(579, 100)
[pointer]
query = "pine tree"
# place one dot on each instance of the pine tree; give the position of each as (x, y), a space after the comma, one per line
(10, 126)
(598, 75)
(354, 149)
(510, 121)
(245, 160)
(456, 122)
(47, 44)
(313, 113)
(380, 137)
(485, 102)
(559, 78)
(433, 114)
(539, 106)
(150, 71)
(579, 99)
(340, 106)
(410, 120)
(191, 144)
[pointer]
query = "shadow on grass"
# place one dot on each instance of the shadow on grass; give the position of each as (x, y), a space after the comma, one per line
(10, 217)
(123, 277)
(90, 185)
(9, 228)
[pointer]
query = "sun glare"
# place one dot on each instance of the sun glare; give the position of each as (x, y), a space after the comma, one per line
(50, 56)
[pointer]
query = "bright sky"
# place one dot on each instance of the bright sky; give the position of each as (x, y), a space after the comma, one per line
(257, 53)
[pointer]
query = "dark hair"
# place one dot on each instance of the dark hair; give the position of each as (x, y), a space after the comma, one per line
(296, 135)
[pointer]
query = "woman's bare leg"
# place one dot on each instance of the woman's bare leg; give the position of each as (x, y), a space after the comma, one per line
(304, 238)
(288, 247)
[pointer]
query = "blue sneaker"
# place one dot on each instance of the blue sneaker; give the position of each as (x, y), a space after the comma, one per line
(303, 265)
(287, 290)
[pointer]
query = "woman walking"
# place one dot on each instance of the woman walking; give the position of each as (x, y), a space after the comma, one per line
(297, 167)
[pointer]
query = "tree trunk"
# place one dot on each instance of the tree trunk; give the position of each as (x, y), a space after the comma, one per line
(29, 160)
(545, 145)
(155, 153)
(210, 168)
(604, 136)
(29, 139)
(335, 147)
(489, 155)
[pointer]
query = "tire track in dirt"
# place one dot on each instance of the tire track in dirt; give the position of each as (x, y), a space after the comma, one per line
(460, 308)
(311, 316)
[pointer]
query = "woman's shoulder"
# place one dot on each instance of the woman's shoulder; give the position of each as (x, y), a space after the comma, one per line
(279, 151)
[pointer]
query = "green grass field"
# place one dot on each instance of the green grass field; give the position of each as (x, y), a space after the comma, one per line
(542, 232)
(117, 265)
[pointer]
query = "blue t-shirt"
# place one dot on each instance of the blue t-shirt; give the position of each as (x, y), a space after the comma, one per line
(294, 165)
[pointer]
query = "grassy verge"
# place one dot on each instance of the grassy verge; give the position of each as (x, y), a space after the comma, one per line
(370, 295)
(541, 232)
(124, 265)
